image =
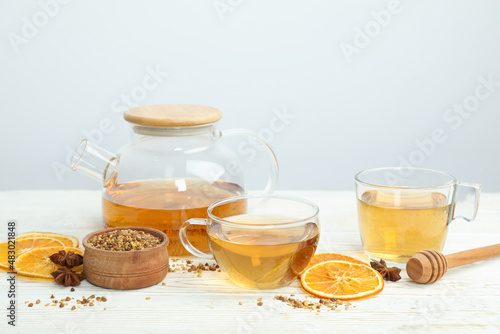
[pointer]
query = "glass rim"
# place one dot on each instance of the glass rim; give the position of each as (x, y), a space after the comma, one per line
(451, 182)
(77, 157)
(263, 197)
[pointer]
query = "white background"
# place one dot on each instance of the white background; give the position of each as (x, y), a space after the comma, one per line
(352, 111)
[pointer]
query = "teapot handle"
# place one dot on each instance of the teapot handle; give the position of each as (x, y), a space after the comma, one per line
(274, 173)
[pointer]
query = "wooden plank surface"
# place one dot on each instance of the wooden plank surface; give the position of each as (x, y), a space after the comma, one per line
(466, 300)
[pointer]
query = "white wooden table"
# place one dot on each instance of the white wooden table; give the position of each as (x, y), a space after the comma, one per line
(466, 300)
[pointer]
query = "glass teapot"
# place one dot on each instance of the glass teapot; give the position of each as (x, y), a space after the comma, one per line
(172, 171)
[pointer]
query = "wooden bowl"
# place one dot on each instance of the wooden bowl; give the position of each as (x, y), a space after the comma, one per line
(126, 270)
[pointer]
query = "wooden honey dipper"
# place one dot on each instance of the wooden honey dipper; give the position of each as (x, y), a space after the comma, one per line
(428, 266)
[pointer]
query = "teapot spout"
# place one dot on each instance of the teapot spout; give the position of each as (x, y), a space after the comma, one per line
(95, 162)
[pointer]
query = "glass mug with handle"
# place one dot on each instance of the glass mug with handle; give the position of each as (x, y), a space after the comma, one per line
(403, 210)
(265, 242)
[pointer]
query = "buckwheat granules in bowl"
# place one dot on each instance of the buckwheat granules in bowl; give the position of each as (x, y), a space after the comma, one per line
(124, 240)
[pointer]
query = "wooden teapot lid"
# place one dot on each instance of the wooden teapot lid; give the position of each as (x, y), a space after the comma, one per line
(172, 115)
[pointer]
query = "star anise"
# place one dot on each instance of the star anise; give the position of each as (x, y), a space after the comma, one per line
(389, 274)
(69, 259)
(67, 277)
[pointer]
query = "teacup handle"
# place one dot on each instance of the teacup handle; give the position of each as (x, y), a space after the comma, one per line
(184, 239)
(273, 175)
(464, 193)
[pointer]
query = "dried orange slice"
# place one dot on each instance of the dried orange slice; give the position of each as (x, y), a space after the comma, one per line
(342, 280)
(24, 245)
(333, 257)
(67, 240)
(36, 262)
(4, 255)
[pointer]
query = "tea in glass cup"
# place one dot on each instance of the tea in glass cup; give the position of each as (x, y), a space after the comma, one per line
(404, 211)
(267, 246)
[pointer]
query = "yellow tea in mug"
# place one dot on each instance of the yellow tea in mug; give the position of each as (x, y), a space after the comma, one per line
(263, 257)
(394, 228)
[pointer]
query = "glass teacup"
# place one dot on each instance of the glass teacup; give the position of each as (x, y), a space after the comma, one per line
(402, 211)
(266, 245)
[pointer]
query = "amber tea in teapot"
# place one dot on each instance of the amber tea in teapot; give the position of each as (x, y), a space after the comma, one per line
(159, 205)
